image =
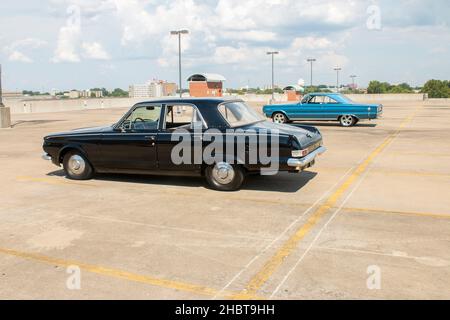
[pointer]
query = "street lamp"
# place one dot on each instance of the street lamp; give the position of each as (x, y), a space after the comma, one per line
(337, 69)
(5, 113)
(179, 33)
(353, 81)
(273, 53)
(1, 99)
(311, 60)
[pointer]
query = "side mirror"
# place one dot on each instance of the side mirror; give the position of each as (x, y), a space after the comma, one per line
(120, 129)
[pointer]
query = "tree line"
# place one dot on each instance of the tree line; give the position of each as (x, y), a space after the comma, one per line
(434, 88)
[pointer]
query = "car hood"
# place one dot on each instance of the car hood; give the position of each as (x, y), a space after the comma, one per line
(91, 130)
(306, 135)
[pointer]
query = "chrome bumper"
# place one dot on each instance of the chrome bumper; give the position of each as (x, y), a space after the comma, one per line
(303, 162)
(46, 157)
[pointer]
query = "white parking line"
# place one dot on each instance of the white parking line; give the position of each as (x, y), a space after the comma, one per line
(286, 277)
(280, 236)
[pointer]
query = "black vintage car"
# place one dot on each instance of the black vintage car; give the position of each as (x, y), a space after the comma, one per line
(145, 139)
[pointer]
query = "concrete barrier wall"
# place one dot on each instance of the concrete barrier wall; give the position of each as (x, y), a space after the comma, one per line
(445, 102)
(366, 98)
(380, 98)
(40, 106)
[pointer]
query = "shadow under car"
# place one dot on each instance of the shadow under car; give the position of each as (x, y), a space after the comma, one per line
(281, 182)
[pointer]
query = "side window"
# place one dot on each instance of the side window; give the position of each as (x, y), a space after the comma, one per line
(143, 119)
(329, 100)
(182, 116)
(306, 99)
(317, 100)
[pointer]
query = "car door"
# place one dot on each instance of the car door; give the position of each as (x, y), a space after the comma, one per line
(310, 108)
(182, 122)
(332, 109)
(133, 144)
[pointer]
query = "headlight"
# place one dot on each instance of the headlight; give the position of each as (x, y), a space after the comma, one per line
(300, 153)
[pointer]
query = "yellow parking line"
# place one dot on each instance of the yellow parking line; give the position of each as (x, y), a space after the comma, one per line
(272, 265)
(115, 273)
(395, 172)
(405, 213)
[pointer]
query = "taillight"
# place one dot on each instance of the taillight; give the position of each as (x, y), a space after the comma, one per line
(300, 153)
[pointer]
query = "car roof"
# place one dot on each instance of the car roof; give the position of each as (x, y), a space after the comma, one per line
(208, 107)
(196, 101)
(324, 94)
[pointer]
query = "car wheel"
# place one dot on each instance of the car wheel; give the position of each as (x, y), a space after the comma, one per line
(77, 167)
(347, 121)
(224, 176)
(279, 118)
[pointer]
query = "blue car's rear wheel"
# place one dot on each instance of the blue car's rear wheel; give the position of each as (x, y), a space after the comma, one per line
(279, 117)
(347, 120)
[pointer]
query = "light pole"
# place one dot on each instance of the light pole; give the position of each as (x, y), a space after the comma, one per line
(273, 53)
(5, 113)
(337, 69)
(1, 99)
(353, 81)
(179, 33)
(311, 60)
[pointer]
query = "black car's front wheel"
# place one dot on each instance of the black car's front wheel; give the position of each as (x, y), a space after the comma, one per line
(76, 166)
(224, 176)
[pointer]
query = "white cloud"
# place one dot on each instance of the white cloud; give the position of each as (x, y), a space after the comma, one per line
(94, 50)
(15, 49)
(311, 43)
(139, 25)
(70, 44)
(69, 38)
(19, 57)
(252, 35)
(227, 55)
(232, 36)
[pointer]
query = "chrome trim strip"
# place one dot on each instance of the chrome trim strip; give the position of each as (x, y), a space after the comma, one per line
(303, 162)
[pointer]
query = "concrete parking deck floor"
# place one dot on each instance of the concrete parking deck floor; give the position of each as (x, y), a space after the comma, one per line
(377, 200)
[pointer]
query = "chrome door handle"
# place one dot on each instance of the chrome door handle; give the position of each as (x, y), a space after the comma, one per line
(152, 140)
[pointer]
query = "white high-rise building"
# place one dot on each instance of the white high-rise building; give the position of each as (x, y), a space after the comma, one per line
(153, 89)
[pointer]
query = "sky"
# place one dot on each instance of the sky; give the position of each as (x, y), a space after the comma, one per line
(82, 44)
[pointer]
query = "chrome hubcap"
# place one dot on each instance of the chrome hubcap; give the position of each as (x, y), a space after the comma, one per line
(347, 120)
(279, 118)
(223, 173)
(76, 165)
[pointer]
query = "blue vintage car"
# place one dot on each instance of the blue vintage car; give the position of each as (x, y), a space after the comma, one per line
(324, 107)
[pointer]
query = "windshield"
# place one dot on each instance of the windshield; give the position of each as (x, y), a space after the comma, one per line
(239, 114)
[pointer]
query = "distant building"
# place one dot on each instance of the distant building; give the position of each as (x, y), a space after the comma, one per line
(91, 94)
(153, 89)
(294, 92)
(206, 85)
(12, 94)
(169, 89)
(74, 94)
